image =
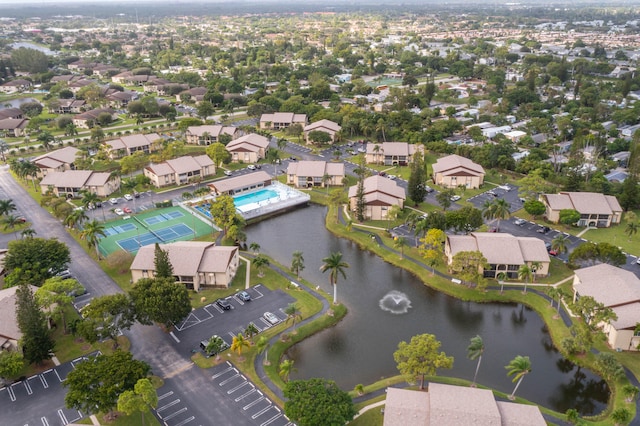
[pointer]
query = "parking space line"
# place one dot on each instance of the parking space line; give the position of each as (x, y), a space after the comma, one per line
(77, 418)
(224, 382)
(261, 412)
(12, 395)
(44, 421)
(171, 404)
(230, 391)
(44, 380)
(251, 404)
(215, 376)
(272, 419)
(28, 387)
(165, 395)
(174, 337)
(244, 395)
(63, 417)
(172, 415)
(184, 422)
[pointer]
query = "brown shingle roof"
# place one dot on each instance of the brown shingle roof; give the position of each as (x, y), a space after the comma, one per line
(379, 184)
(453, 162)
(252, 142)
(188, 258)
(608, 285)
(226, 185)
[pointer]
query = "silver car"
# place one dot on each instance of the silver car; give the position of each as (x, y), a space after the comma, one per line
(271, 318)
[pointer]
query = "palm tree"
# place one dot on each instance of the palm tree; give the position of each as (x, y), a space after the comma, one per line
(500, 210)
(501, 276)
(263, 346)
(286, 368)
(91, 233)
(254, 247)
(10, 222)
(376, 150)
(336, 266)
(621, 416)
(89, 199)
(632, 228)
(488, 208)
(297, 263)
(552, 292)
(75, 218)
(475, 351)
(525, 273)
(6, 207)
(260, 262)
(239, 343)
(251, 331)
(535, 267)
(400, 243)
(381, 127)
(45, 138)
(559, 243)
(27, 233)
(518, 367)
(293, 315)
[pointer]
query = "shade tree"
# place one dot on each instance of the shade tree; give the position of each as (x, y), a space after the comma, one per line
(160, 300)
(421, 357)
(317, 401)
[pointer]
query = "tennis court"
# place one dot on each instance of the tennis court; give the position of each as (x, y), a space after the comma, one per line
(158, 226)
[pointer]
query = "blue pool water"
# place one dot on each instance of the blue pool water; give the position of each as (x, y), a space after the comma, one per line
(254, 197)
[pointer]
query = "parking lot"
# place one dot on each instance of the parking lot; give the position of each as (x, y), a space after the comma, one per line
(39, 399)
(211, 320)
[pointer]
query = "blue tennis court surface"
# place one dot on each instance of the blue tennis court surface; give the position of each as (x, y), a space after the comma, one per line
(163, 235)
(163, 217)
(125, 227)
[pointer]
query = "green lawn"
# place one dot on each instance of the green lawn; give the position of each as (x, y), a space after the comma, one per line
(615, 235)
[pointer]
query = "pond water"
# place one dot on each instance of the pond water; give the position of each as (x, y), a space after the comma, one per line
(388, 305)
(15, 103)
(28, 45)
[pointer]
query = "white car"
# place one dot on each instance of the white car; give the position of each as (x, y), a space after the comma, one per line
(271, 318)
(113, 201)
(251, 167)
(392, 177)
(128, 197)
(119, 212)
(455, 198)
(520, 222)
(228, 172)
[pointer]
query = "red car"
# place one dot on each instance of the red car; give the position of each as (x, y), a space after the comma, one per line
(127, 210)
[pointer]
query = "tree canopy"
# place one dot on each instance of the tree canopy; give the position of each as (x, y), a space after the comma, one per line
(317, 401)
(421, 357)
(163, 266)
(36, 342)
(160, 300)
(36, 258)
(592, 253)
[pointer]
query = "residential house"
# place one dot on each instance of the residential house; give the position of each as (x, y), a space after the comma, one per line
(87, 120)
(67, 106)
(248, 148)
(240, 184)
(492, 132)
(77, 85)
(515, 135)
(309, 174)
(504, 252)
(208, 134)
(70, 183)
(13, 127)
(282, 120)
(56, 161)
(449, 405)
(453, 170)
(11, 113)
(380, 194)
(196, 264)
(327, 126)
(195, 93)
(15, 86)
(121, 99)
(619, 290)
(391, 153)
(127, 145)
(595, 209)
(10, 334)
(180, 171)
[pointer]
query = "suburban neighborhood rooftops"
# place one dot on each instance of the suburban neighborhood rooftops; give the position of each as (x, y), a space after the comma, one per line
(584, 202)
(451, 162)
(608, 284)
(379, 184)
(225, 185)
(252, 142)
(324, 123)
(315, 168)
(187, 257)
(392, 148)
(66, 155)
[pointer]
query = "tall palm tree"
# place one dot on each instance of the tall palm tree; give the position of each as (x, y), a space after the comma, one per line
(376, 150)
(525, 273)
(535, 267)
(239, 343)
(518, 367)
(27, 233)
(293, 315)
(400, 243)
(336, 266)
(552, 292)
(262, 345)
(91, 233)
(6, 207)
(251, 331)
(297, 263)
(559, 243)
(29, 169)
(475, 351)
(632, 228)
(500, 210)
(76, 218)
(501, 276)
(260, 262)
(487, 209)
(254, 247)
(286, 368)
(89, 200)
(10, 222)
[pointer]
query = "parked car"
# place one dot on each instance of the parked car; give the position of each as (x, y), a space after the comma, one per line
(64, 274)
(271, 318)
(222, 346)
(79, 292)
(455, 198)
(543, 230)
(392, 177)
(520, 222)
(228, 172)
(113, 201)
(505, 188)
(258, 166)
(119, 212)
(382, 173)
(128, 197)
(491, 192)
(550, 250)
(244, 296)
(136, 194)
(127, 210)
(429, 189)
(251, 167)
(293, 159)
(224, 304)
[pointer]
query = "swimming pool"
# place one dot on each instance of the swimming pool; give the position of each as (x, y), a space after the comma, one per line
(254, 197)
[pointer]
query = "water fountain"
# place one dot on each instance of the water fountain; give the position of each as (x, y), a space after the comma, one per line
(395, 302)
